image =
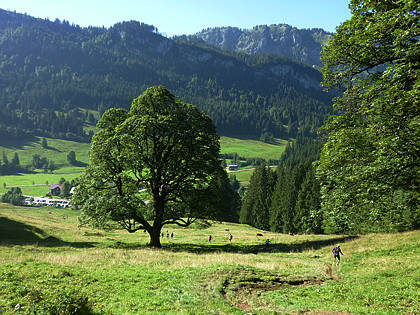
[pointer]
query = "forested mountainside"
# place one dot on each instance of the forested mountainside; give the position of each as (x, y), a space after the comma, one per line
(303, 45)
(49, 70)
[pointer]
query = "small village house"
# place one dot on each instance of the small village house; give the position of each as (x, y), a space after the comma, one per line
(55, 190)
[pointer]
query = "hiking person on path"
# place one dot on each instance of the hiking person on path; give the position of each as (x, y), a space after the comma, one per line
(210, 238)
(336, 252)
(230, 237)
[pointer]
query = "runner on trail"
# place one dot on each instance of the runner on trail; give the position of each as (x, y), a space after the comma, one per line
(336, 252)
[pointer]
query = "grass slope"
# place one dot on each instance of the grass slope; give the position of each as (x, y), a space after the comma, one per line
(251, 148)
(58, 149)
(50, 265)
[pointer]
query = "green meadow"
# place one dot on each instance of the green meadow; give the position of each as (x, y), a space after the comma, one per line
(58, 149)
(252, 148)
(244, 176)
(50, 265)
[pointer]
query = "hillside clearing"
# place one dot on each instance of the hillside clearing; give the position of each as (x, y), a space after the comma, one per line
(58, 149)
(252, 148)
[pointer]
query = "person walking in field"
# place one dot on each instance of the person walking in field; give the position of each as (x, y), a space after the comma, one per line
(230, 238)
(210, 238)
(336, 252)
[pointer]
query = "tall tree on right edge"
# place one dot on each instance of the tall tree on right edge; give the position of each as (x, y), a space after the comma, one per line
(369, 167)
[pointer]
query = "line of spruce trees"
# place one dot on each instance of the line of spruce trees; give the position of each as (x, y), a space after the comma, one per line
(286, 200)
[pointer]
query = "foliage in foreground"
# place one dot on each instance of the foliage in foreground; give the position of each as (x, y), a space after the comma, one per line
(370, 165)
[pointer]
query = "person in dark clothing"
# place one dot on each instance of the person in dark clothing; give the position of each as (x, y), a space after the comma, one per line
(336, 252)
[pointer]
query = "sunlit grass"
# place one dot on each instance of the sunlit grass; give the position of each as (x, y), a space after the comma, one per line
(118, 273)
(252, 148)
(57, 150)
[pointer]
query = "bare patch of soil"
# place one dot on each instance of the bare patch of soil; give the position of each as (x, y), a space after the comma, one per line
(330, 273)
(242, 287)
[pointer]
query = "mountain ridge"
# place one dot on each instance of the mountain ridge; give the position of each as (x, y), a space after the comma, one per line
(304, 45)
(54, 66)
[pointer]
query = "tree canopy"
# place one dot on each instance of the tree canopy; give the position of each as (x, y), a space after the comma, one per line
(150, 166)
(369, 166)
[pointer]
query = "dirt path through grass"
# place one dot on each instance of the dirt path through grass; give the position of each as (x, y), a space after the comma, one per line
(243, 289)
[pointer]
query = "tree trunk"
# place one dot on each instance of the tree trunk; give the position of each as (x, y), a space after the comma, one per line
(155, 237)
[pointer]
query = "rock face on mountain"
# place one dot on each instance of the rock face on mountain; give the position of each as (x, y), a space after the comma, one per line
(304, 45)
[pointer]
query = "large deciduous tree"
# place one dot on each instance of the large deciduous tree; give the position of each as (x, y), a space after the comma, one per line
(150, 166)
(369, 166)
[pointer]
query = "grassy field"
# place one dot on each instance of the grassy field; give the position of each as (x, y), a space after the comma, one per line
(50, 265)
(244, 176)
(58, 149)
(251, 148)
(37, 179)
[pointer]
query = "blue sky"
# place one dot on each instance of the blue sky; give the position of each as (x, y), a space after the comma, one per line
(176, 17)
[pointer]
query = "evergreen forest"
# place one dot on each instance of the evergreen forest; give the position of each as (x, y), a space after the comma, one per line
(52, 73)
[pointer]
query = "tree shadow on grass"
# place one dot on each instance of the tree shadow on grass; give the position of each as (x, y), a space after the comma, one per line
(79, 163)
(52, 149)
(18, 233)
(17, 143)
(255, 249)
(242, 248)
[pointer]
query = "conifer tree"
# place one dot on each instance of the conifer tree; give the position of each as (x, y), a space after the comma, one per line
(308, 215)
(15, 161)
(5, 160)
(257, 200)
